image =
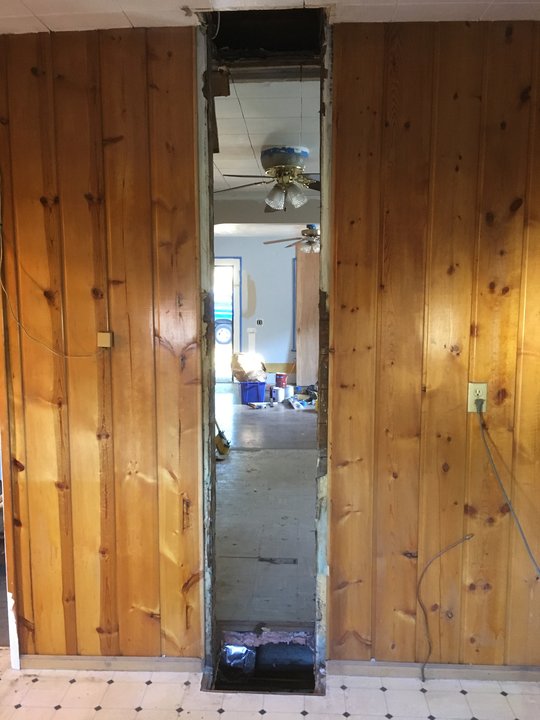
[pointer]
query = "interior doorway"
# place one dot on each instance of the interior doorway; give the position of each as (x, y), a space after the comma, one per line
(266, 489)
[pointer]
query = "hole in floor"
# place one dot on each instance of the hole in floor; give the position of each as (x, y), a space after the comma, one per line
(266, 660)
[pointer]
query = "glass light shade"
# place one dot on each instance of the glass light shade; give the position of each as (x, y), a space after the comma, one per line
(276, 198)
(296, 196)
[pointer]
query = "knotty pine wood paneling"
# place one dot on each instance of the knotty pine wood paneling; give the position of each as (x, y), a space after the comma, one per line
(102, 448)
(435, 282)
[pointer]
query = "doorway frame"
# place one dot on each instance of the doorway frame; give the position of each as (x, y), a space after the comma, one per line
(206, 240)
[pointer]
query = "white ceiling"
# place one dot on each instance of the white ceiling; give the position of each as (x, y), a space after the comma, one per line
(255, 114)
(26, 16)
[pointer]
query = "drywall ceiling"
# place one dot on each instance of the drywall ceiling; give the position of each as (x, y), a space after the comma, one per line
(26, 16)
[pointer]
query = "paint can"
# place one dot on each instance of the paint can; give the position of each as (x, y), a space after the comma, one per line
(289, 391)
(281, 380)
(278, 394)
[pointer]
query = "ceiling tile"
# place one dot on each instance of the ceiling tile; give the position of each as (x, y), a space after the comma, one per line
(271, 108)
(228, 107)
(66, 7)
(14, 9)
(27, 24)
(103, 21)
(442, 11)
(512, 11)
(148, 6)
(231, 126)
(268, 90)
(256, 4)
(363, 13)
(260, 141)
(311, 107)
(310, 89)
(162, 18)
(273, 127)
(310, 125)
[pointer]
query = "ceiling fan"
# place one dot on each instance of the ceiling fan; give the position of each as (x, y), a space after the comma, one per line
(309, 242)
(284, 169)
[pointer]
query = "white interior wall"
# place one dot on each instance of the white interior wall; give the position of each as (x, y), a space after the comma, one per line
(267, 289)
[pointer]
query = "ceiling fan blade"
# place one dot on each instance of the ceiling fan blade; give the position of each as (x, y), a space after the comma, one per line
(315, 185)
(268, 209)
(298, 242)
(263, 177)
(271, 242)
(239, 187)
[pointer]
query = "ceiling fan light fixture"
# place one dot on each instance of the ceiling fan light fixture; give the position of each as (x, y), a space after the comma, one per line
(296, 196)
(310, 247)
(276, 198)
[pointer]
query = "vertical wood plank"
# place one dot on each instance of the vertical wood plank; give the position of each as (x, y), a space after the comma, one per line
(128, 213)
(405, 165)
(15, 490)
(44, 378)
(523, 610)
(79, 153)
(448, 303)
(173, 144)
(307, 317)
(495, 323)
(356, 203)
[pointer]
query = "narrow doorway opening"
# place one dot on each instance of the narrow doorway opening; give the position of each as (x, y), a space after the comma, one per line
(266, 141)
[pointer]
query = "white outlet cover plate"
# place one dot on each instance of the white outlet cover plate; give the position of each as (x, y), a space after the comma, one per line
(476, 391)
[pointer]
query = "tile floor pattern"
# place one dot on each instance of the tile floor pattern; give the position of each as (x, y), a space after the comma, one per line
(105, 695)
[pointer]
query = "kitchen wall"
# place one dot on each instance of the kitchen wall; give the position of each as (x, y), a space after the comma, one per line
(102, 446)
(436, 182)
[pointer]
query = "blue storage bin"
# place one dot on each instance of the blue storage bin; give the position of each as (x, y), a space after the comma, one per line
(252, 392)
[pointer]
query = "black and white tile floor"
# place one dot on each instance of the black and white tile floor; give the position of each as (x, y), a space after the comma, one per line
(83, 695)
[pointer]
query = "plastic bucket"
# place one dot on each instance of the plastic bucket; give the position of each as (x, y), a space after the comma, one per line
(281, 380)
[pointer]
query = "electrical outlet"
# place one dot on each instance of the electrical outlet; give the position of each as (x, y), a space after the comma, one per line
(477, 391)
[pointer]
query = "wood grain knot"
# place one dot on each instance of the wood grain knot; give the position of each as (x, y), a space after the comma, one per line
(50, 296)
(500, 396)
(17, 464)
(516, 204)
(4, 121)
(410, 554)
(470, 510)
(97, 293)
(490, 218)
(445, 467)
(113, 140)
(525, 94)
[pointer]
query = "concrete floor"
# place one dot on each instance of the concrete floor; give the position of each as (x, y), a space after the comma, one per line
(265, 518)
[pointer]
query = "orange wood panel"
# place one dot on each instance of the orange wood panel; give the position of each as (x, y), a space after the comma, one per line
(405, 185)
(356, 207)
(173, 143)
(307, 317)
(495, 322)
(128, 214)
(454, 155)
(40, 286)
(15, 491)
(79, 154)
(523, 609)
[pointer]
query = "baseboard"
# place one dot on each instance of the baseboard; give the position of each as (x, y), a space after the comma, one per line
(459, 672)
(133, 664)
